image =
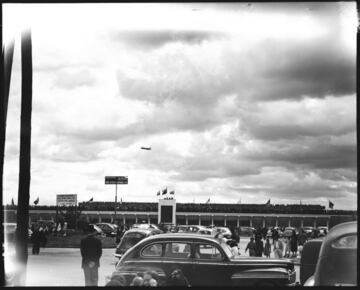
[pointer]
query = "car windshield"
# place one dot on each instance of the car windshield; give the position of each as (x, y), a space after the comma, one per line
(130, 240)
(227, 250)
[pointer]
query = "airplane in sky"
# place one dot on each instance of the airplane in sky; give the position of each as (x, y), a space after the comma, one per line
(146, 148)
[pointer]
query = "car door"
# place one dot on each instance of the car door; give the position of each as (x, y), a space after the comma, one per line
(177, 255)
(211, 267)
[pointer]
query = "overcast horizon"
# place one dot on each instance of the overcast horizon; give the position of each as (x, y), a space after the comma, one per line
(238, 102)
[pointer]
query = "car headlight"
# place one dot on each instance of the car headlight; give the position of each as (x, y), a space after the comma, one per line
(346, 242)
(310, 282)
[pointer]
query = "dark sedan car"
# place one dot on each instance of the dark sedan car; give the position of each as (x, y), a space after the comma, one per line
(337, 262)
(131, 238)
(204, 262)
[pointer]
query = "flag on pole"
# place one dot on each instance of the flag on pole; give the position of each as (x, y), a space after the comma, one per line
(91, 199)
(164, 191)
(36, 201)
(12, 201)
(158, 193)
(331, 205)
(208, 200)
(172, 192)
(268, 202)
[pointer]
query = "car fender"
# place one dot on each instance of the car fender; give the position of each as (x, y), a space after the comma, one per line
(276, 276)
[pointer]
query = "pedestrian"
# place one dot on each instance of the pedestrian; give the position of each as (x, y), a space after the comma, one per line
(287, 247)
(251, 246)
(278, 249)
(259, 246)
(36, 239)
(294, 244)
(275, 235)
(91, 251)
(267, 248)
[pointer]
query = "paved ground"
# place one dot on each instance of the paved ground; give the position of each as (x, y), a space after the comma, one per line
(62, 266)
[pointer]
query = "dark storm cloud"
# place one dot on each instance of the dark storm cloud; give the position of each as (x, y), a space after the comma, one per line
(154, 39)
(316, 155)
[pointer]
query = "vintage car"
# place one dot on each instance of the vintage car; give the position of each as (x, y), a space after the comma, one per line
(225, 231)
(131, 238)
(308, 231)
(145, 226)
(108, 229)
(309, 257)
(247, 231)
(189, 228)
(204, 261)
(337, 261)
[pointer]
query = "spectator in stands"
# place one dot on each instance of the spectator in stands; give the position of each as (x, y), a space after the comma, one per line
(267, 248)
(252, 247)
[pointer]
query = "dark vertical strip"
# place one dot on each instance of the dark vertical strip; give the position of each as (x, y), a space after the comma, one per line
(25, 156)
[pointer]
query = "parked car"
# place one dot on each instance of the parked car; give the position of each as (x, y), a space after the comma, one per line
(247, 231)
(131, 238)
(309, 257)
(323, 231)
(337, 261)
(9, 231)
(225, 231)
(189, 228)
(207, 231)
(108, 229)
(145, 226)
(204, 262)
(99, 231)
(308, 231)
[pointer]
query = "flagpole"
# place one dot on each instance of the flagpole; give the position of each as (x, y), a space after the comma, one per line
(115, 202)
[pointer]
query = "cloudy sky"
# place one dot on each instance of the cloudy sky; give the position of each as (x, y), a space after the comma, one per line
(238, 101)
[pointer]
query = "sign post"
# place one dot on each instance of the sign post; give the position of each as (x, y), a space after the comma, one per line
(66, 200)
(116, 180)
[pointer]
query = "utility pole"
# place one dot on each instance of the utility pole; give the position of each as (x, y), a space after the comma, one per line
(25, 158)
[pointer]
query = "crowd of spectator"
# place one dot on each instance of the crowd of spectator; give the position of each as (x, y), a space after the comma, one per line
(201, 207)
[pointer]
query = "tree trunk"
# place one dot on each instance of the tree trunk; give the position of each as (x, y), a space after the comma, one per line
(25, 158)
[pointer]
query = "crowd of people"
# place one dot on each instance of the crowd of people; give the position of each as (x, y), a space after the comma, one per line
(289, 246)
(151, 279)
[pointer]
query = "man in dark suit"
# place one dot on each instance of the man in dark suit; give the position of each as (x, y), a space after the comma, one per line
(91, 251)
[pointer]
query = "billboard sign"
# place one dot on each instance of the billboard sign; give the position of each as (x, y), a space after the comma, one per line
(116, 180)
(66, 199)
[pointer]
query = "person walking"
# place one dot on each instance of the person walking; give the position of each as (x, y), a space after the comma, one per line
(267, 248)
(294, 244)
(259, 246)
(91, 251)
(36, 239)
(287, 247)
(278, 249)
(252, 247)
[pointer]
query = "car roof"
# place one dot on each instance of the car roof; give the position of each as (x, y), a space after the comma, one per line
(182, 236)
(141, 230)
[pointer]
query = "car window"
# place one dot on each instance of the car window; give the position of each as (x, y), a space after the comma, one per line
(208, 252)
(177, 250)
(154, 250)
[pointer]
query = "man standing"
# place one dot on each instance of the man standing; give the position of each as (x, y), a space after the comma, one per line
(91, 251)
